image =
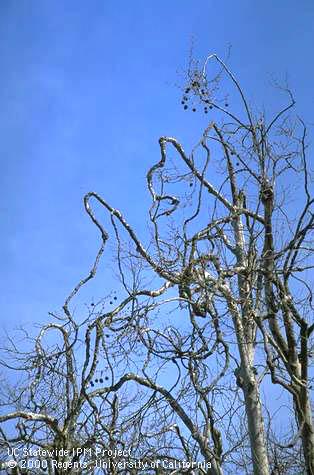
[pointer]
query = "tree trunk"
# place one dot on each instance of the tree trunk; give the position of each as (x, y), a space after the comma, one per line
(255, 426)
(246, 380)
(305, 420)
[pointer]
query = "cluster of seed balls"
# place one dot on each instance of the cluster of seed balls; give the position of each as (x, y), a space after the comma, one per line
(195, 86)
(106, 378)
(111, 302)
(98, 380)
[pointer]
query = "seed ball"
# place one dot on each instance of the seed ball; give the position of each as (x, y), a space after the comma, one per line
(101, 380)
(185, 107)
(92, 384)
(187, 90)
(191, 184)
(106, 378)
(115, 298)
(182, 102)
(210, 106)
(226, 105)
(238, 164)
(111, 302)
(92, 304)
(194, 110)
(96, 380)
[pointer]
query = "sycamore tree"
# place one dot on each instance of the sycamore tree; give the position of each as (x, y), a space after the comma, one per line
(213, 321)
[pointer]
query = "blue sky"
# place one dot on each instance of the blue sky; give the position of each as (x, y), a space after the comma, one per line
(86, 89)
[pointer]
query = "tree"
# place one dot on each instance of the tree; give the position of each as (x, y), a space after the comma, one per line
(216, 304)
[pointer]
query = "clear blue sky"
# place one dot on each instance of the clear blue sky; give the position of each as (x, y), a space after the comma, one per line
(86, 89)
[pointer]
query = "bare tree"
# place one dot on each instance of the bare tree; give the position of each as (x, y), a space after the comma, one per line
(215, 304)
